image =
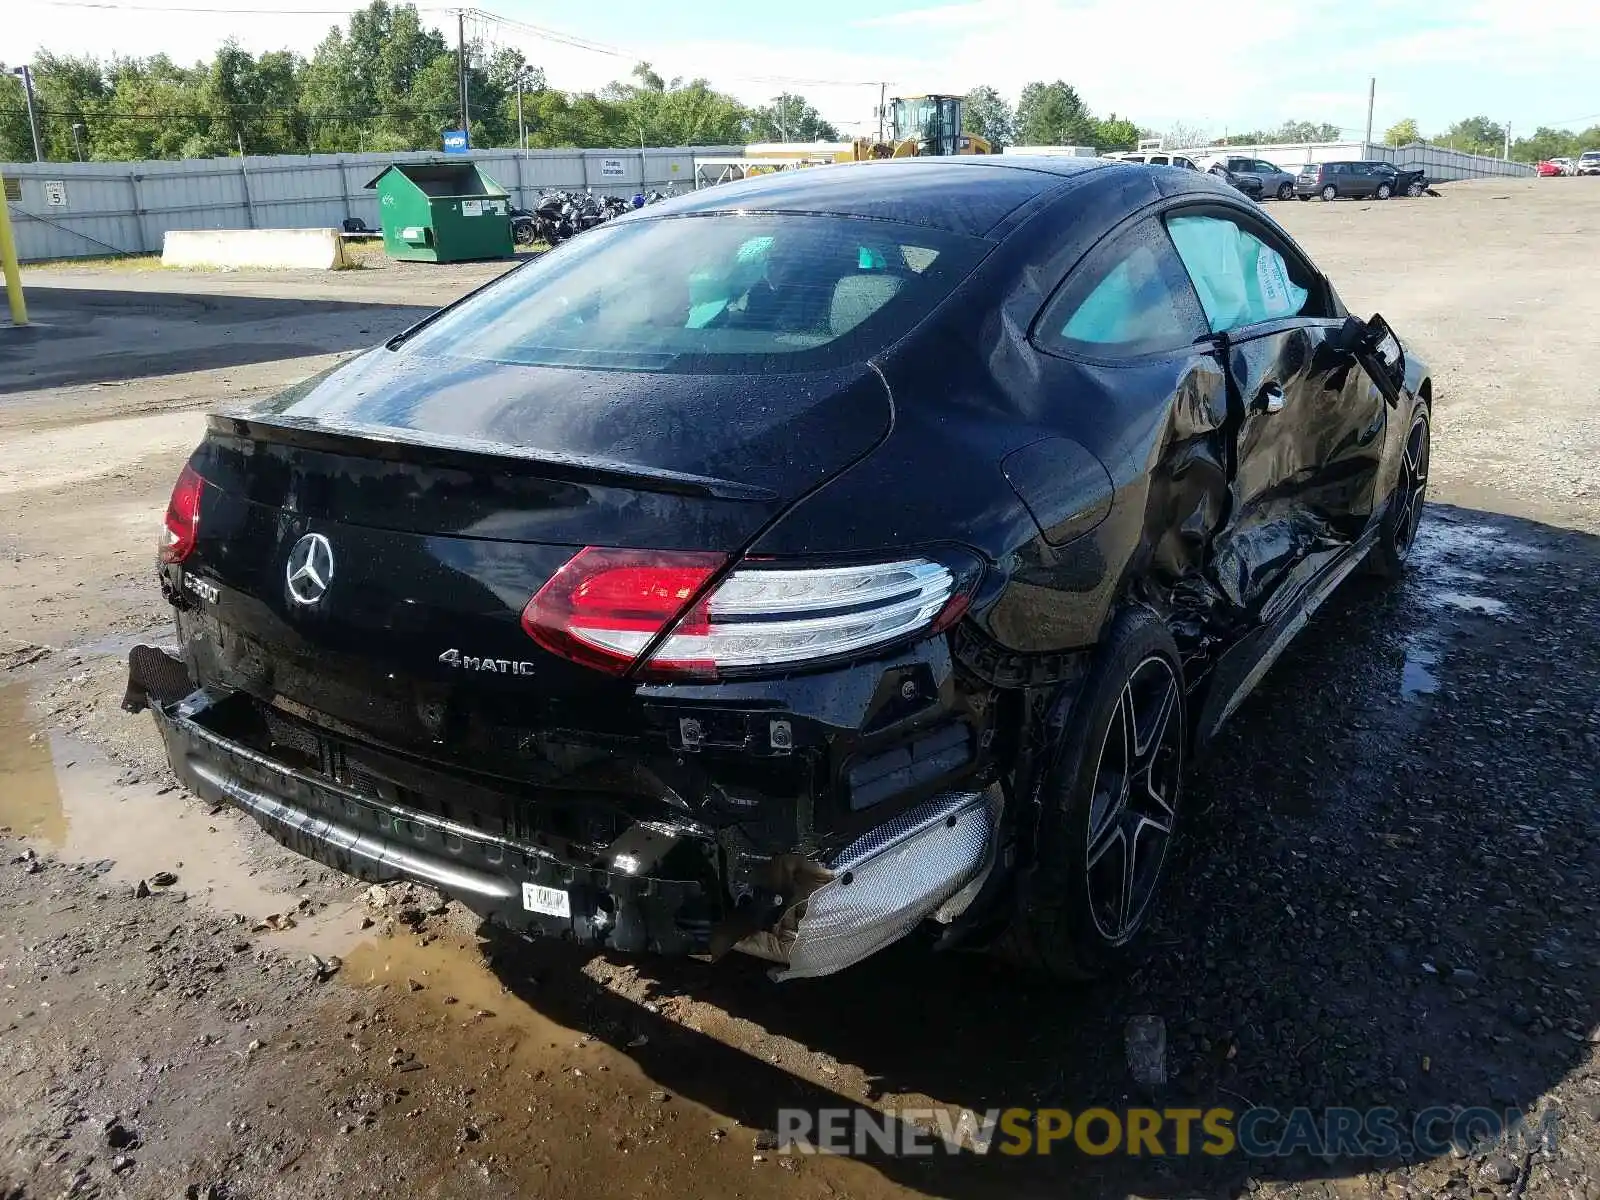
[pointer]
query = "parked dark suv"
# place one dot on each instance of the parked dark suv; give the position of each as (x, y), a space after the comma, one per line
(1357, 180)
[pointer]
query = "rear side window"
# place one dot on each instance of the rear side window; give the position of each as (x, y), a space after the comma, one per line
(1131, 298)
(724, 292)
(1241, 280)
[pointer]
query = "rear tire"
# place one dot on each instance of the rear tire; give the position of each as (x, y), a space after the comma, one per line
(1398, 531)
(1384, 191)
(1109, 806)
(1329, 193)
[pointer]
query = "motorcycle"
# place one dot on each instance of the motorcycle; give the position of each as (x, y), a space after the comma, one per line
(560, 215)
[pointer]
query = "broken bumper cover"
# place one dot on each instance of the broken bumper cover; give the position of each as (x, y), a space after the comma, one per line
(887, 882)
(873, 892)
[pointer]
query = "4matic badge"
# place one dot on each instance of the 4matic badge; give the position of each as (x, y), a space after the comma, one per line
(471, 662)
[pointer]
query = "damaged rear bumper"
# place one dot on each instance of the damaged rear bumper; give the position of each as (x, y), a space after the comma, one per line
(928, 861)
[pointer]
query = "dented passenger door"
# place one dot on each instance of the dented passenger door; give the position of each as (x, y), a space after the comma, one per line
(1307, 420)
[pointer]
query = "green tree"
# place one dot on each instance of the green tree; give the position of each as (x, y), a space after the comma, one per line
(1402, 133)
(790, 118)
(1475, 135)
(986, 113)
(156, 110)
(1554, 143)
(252, 103)
(380, 83)
(1116, 133)
(1053, 114)
(68, 91)
(1306, 131)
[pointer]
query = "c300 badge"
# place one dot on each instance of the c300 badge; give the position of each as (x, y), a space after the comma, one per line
(471, 662)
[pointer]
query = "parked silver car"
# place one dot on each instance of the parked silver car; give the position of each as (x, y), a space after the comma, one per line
(1276, 183)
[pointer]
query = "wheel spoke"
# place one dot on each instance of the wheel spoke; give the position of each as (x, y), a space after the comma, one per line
(1143, 747)
(1130, 856)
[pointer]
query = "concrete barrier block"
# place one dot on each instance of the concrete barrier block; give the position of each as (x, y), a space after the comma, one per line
(305, 249)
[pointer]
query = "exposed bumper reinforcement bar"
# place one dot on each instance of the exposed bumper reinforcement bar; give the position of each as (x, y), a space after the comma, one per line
(371, 839)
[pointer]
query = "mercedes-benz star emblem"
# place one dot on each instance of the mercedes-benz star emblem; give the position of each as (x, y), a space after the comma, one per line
(310, 569)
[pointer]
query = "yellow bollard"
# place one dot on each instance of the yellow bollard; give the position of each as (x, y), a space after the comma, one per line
(8, 262)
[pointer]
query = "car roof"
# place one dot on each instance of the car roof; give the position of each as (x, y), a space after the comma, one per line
(969, 194)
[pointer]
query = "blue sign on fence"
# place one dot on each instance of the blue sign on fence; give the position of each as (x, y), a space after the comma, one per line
(455, 141)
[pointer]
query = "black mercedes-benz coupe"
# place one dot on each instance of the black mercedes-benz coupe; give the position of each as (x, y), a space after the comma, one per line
(795, 564)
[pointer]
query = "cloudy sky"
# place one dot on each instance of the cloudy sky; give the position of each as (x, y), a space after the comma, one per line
(1231, 64)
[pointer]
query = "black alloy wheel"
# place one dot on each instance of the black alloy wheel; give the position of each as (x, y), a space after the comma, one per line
(1108, 808)
(1401, 520)
(1133, 807)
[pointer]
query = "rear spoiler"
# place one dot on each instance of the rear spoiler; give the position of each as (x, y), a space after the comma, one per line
(398, 445)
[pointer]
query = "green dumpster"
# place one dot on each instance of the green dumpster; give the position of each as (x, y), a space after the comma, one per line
(442, 212)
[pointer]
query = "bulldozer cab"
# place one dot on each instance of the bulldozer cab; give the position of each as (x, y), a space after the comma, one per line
(931, 123)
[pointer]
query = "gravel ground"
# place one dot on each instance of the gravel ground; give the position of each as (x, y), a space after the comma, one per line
(1388, 894)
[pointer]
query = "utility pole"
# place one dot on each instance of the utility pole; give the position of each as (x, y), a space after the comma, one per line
(522, 133)
(461, 69)
(33, 120)
(883, 98)
(77, 138)
(1508, 141)
(1372, 95)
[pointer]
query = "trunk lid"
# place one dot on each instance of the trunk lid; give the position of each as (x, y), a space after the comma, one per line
(432, 500)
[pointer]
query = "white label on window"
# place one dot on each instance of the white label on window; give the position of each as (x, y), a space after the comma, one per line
(611, 166)
(1273, 279)
(472, 208)
(553, 902)
(55, 192)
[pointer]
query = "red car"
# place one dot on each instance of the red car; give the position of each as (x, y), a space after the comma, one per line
(1548, 168)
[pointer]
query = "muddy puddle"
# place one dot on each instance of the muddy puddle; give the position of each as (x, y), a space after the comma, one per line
(69, 800)
(552, 1108)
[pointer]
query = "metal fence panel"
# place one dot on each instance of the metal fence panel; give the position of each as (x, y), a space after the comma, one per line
(126, 208)
(1440, 162)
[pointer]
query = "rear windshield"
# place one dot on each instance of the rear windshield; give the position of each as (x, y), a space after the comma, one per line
(721, 292)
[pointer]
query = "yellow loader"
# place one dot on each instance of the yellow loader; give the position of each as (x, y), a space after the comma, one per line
(919, 126)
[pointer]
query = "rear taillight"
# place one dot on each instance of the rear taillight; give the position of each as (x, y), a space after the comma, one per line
(605, 606)
(183, 517)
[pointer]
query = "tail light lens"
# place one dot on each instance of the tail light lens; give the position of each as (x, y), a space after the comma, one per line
(605, 606)
(183, 517)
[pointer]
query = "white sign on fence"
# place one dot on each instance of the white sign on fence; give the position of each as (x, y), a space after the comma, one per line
(611, 166)
(55, 192)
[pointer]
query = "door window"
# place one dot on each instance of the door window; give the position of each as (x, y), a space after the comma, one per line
(1241, 280)
(1131, 298)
